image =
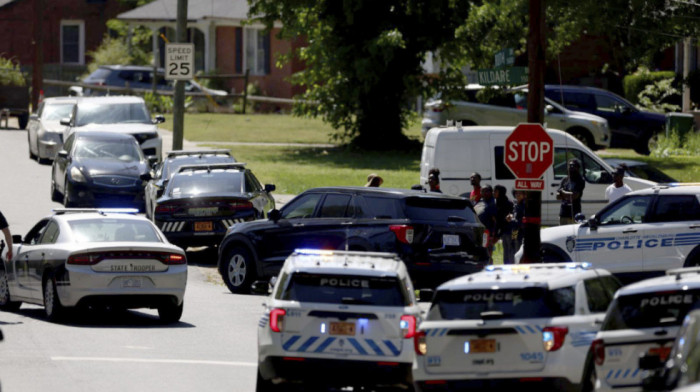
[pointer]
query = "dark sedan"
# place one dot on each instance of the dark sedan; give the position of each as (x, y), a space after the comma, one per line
(438, 237)
(640, 170)
(201, 202)
(99, 169)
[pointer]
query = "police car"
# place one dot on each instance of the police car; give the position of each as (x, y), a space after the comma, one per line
(638, 236)
(338, 319)
(643, 319)
(513, 326)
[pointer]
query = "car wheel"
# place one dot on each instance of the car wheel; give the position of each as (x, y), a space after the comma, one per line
(52, 304)
(693, 259)
(171, 312)
(29, 147)
(238, 270)
(5, 302)
(262, 385)
(645, 143)
(55, 194)
(66, 195)
(583, 136)
(23, 120)
(552, 256)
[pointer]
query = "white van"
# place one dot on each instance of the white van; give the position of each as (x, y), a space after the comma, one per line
(459, 151)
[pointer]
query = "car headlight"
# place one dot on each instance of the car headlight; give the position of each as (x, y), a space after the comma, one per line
(76, 175)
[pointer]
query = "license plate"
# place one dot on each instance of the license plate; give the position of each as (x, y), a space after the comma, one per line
(203, 226)
(131, 283)
(662, 352)
(342, 329)
(482, 346)
(450, 240)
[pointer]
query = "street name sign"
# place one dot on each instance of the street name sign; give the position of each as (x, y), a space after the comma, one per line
(179, 61)
(511, 76)
(529, 151)
(504, 58)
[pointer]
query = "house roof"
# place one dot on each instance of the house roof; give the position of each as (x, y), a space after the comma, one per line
(166, 10)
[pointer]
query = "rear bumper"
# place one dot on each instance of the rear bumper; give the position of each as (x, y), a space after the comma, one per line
(524, 384)
(332, 372)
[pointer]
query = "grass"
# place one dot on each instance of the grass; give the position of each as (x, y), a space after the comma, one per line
(682, 168)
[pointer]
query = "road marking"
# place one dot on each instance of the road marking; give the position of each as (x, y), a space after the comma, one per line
(142, 360)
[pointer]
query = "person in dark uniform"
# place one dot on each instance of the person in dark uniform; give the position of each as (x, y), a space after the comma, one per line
(8, 236)
(570, 192)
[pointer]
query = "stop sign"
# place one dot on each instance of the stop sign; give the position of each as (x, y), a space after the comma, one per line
(529, 151)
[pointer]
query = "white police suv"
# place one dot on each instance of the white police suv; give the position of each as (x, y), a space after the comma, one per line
(643, 319)
(638, 236)
(338, 319)
(519, 326)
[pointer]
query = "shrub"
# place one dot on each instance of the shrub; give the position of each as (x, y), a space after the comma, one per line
(157, 103)
(635, 83)
(10, 73)
(656, 96)
(677, 144)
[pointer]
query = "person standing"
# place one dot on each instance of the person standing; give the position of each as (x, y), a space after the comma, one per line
(373, 180)
(504, 229)
(618, 188)
(475, 195)
(570, 192)
(8, 236)
(516, 219)
(434, 180)
(486, 210)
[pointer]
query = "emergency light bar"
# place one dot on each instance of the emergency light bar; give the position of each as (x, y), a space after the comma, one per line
(542, 266)
(61, 211)
(181, 153)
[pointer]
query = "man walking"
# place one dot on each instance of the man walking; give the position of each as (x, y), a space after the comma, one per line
(618, 188)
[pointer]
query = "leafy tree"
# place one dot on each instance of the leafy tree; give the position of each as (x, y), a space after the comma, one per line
(363, 59)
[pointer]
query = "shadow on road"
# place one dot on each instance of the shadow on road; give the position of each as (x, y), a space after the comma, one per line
(105, 318)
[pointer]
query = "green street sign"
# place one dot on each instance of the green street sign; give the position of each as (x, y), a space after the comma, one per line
(503, 77)
(504, 58)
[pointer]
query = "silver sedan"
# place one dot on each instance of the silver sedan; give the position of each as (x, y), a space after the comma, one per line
(44, 131)
(94, 258)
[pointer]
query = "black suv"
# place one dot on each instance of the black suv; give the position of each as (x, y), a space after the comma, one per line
(439, 237)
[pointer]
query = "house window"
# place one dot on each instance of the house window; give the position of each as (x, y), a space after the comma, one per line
(72, 42)
(257, 51)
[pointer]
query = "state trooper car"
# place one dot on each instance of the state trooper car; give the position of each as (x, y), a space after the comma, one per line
(513, 325)
(338, 318)
(638, 236)
(643, 319)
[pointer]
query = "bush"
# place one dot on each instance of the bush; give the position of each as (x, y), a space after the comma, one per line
(656, 97)
(10, 73)
(635, 83)
(677, 144)
(157, 103)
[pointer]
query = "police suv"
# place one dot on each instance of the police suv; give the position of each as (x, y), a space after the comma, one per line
(512, 325)
(638, 236)
(338, 319)
(643, 319)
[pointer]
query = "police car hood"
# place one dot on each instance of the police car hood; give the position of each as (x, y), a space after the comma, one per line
(129, 128)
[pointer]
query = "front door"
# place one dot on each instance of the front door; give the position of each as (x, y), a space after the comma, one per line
(673, 231)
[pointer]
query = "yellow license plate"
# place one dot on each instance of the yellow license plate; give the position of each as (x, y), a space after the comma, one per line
(342, 329)
(482, 346)
(662, 352)
(203, 226)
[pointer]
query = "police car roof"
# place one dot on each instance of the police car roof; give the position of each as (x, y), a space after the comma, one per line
(668, 189)
(680, 278)
(553, 275)
(344, 262)
(71, 214)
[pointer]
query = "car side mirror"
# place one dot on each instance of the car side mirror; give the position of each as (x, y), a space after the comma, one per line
(261, 287)
(152, 160)
(605, 178)
(159, 119)
(548, 108)
(146, 177)
(65, 121)
(426, 295)
(580, 218)
(62, 154)
(270, 187)
(593, 222)
(17, 239)
(274, 215)
(650, 362)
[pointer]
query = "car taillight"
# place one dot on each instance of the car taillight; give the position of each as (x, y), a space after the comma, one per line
(598, 348)
(408, 326)
(553, 337)
(404, 233)
(277, 319)
(419, 343)
(241, 205)
(174, 259)
(165, 209)
(84, 259)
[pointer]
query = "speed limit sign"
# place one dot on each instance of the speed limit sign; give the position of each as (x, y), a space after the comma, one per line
(179, 61)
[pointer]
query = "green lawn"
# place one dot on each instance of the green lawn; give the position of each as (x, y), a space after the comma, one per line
(685, 169)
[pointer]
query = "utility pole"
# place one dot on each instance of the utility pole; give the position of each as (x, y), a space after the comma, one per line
(38, 64)
(179, 98)
(687, 47)
(536, 50)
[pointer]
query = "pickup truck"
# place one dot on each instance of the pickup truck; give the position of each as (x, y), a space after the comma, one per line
(15, 99)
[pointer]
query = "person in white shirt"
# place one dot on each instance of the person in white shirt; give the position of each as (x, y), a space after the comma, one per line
(618, 188)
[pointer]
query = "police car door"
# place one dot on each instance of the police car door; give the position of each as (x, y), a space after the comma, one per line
(613, 240)
(672, 231)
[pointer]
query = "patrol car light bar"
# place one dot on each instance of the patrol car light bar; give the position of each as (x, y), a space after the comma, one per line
(528, 267)
(213, 166)
(327, 252)
(682, 271)
(180, 153)
(61, 211)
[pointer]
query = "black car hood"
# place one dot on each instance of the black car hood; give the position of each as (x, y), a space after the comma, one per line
(102, 167)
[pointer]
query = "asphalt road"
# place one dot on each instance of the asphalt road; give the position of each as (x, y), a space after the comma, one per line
(213, 348)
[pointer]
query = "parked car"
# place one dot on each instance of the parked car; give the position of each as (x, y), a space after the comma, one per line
(45, 132)
(125, 114)
(639, 169)
(98, 169)
(437, 236)
(163, 171)
(202, 202)
(94, 258)
(510, 108)
(630, 127)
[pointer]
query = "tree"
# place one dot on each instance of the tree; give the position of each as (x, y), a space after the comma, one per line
(363, 61)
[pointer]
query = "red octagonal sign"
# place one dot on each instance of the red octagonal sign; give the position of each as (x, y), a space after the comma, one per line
(529, 151)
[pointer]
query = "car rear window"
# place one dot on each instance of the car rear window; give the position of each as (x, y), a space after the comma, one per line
(650, 310)
(112, 230)
(112, 113)
(345, 289)
(98, 74)
(424, 208)
(530, 302)
(201, 182)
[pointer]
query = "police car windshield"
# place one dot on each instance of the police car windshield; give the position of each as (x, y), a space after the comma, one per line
(420, 208)
(650, 310)
(202, 182)
(112, 230)
(530, 302)
(345, 289)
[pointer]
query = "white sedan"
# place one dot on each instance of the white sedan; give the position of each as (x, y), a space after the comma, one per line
(94, 258)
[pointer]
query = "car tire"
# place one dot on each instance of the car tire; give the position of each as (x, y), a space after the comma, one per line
(29, 147)
(23, 120)
(6, 302)
(55, 194)
(53, 308)
(262, 385)
(693, 259)
(582, 135)
(171, 312)
(642, 145)
(66, 195)
(238, 269)
(551, 255)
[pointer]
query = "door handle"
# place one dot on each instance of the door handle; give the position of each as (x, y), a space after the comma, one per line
(345, 223)
(694, 227)
(629, 231)
(554, 184)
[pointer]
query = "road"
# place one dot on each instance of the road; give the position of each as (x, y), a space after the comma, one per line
(213, 348)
